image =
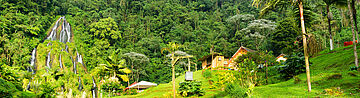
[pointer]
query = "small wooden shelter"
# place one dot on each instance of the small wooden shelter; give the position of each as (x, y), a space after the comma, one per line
(219, 60)
(281, 58)
(242, 50)
(213, 60)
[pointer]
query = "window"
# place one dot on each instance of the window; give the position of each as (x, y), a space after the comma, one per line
(219, 59)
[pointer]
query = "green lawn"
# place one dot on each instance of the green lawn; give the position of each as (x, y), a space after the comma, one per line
(325, 66)
(165, 90)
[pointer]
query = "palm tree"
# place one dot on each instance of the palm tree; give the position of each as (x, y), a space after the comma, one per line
(353, 33)
(328, 3)
(175, 56)
(111, 67)
(172, 47)
(354, 18)
(273, 3)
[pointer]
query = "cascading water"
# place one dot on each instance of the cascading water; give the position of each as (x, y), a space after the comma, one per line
(94, 89)
(64, 36)
(80, 85)
(48, 60)
(80, 59)
(60, 62)
(33, 61)
(52, 35)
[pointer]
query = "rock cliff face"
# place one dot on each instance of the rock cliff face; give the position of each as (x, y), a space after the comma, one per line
(55, 51)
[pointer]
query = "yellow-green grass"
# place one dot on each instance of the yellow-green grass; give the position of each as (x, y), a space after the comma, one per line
(165, 90)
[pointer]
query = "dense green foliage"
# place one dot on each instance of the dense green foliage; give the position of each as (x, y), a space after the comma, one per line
(235, 90)
(124, 38)
(294, 65)
(190, 88)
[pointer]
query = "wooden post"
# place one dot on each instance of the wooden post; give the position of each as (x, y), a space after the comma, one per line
(189, 64)
(266, 72)
(173, 74)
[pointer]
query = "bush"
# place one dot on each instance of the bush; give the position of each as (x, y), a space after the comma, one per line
(9, 90)
(207, 74)
(130, 92)
(189, 88)
(113, 87)
(47, 90)
(294, 65)
(235, 90)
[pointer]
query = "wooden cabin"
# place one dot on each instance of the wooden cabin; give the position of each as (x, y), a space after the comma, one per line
(213, 61)
(222, 61)
(242, 50)
(281, 58)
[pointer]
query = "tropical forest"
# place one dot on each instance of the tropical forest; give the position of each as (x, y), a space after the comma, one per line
(179, 48)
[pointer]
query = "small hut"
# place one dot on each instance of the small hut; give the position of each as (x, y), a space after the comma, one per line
(281, 58)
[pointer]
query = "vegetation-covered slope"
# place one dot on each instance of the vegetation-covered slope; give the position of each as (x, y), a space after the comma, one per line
(329, 70)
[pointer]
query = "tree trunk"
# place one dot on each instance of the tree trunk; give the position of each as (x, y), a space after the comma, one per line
(132, 70)
(353, 33)
(173, 74)
(305, 45)
(329, 27)
(137, 72)
(355, 19)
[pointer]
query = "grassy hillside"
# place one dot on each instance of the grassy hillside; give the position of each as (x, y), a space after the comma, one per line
(329, 70)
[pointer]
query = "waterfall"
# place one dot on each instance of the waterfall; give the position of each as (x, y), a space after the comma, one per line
(65, 32)
(48, 60)
(74, 64)
(68, 32)
(60, 61)
(33, 61)
(94, 89)
(79, 58)
(80, 85)
(60, 31)
(67, 48)
(52, 35)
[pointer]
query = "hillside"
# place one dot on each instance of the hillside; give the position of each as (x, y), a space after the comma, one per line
(329, 70)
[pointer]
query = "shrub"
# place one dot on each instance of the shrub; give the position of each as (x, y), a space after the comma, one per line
(47, 90)
(189, 88)
(235, 90)
(130, 92)
(294, 65)
(207, 74)
(112, 87)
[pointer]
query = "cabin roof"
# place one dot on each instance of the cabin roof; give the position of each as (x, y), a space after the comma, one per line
(280, 55)
(241, 47)
(207, 56)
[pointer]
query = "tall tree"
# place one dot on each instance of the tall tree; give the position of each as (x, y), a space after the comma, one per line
(353, 34)
(175, 56)
(139, 60)
(274, 3)
(329, 16)
(355, 18)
